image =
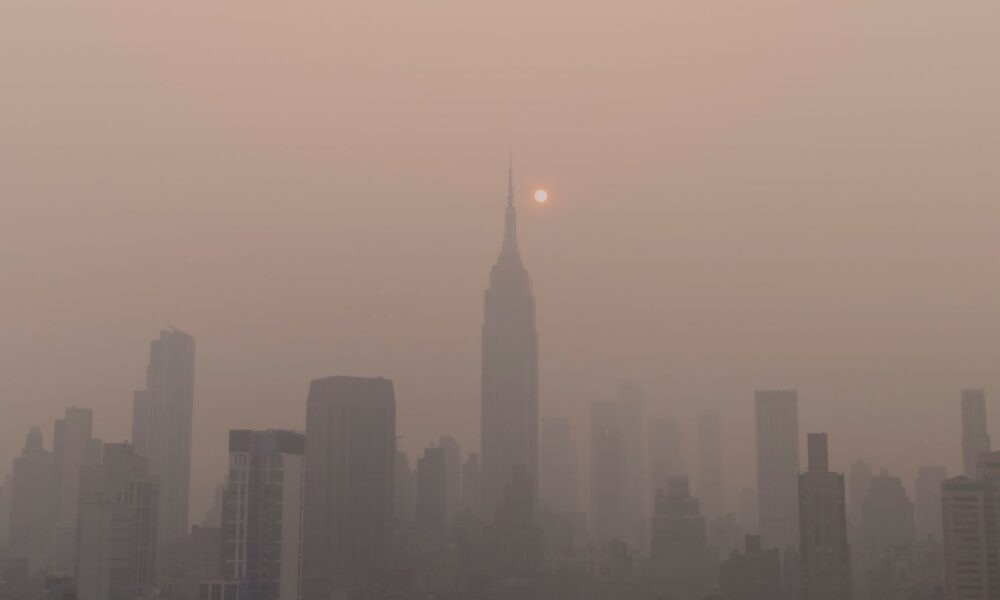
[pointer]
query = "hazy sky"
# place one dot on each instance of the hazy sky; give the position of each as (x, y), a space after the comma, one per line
(744, 195)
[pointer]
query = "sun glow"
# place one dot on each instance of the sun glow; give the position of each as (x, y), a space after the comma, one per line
(541, 196)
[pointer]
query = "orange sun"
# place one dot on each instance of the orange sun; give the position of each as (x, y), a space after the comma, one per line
(541, 196)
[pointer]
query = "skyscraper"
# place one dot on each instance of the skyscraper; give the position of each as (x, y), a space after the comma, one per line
(350, 463)
(859, 478)
(678, 542)
(887, 515)
(927, 500)
(971, 540)
(72, 447)
(262, 513)
(432, 495)
(509, 392)
(665, 458)
(823, 550)
(710, 484)
(777, 418)
(607, 474)
(631, 421)
(118, 527)
(472, 482)
(559, 467)
(453, 476)
(33, 506)
(161, 428)
(975, 433)
(753, 575)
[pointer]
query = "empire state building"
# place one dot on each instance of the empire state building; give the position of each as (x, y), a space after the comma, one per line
(509, 392)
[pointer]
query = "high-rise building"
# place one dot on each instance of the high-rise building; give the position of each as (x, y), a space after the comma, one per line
(406, 491)
(678, 542)
(975, 433)
(509, 391)
(431, 516)
(607, 474)
(632, 424)
(73, 447)
(968, 535)
(5, 486)
(118, 527)
(262, 520)
(887, 515)
(559, 467)
(350, 464)
(747, 510)
(453, 476)
(777, 418)
(971, 539)
(710, 480)
(161, 428)
(33, 507)
(472, 481)
(753, 575)
(927, 501)
(666, 461)
(859, 479)
(823, 549)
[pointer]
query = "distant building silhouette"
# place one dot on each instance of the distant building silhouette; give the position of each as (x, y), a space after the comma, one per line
(509, 392)
(432, 496)
(453, 476)
(678, 542)
(747, 513)
(887, 515)
(777, 419)
(262, 515)
(753, 575)
(559, 478)
(607, 474)
(161, 428)
(350, 463)
(33, 506)
(975, 433)
(515, 537)
(859, 479)
(631, 422)
(405, 491)
(666, 461)
(118, 527)
(5, 490)
(73, 447)
(472, 481)
(710, 464)
(927, 501)
(823, 549)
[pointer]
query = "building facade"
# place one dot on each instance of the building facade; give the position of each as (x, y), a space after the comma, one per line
(509, 385)
(350, 477)
(161, 428)
(777, 420)
(823, 549)
(262, 513)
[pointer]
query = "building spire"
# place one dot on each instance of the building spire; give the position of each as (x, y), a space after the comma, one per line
(510, 220)
(510, 178)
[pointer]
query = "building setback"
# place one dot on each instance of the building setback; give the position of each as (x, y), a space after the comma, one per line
(823, 549)
(262, 513)
(509, 384)
(161, 427)
(118, 527)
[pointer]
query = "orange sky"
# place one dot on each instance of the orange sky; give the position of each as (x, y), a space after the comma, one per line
(744, 195)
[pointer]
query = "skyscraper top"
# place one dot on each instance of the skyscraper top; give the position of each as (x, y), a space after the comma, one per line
(510, 221)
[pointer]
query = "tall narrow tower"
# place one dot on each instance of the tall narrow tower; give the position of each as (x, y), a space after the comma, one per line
(975, 434)
(509, 393)
(161, 428)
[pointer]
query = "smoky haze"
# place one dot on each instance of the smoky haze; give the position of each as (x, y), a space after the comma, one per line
(743, 196)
